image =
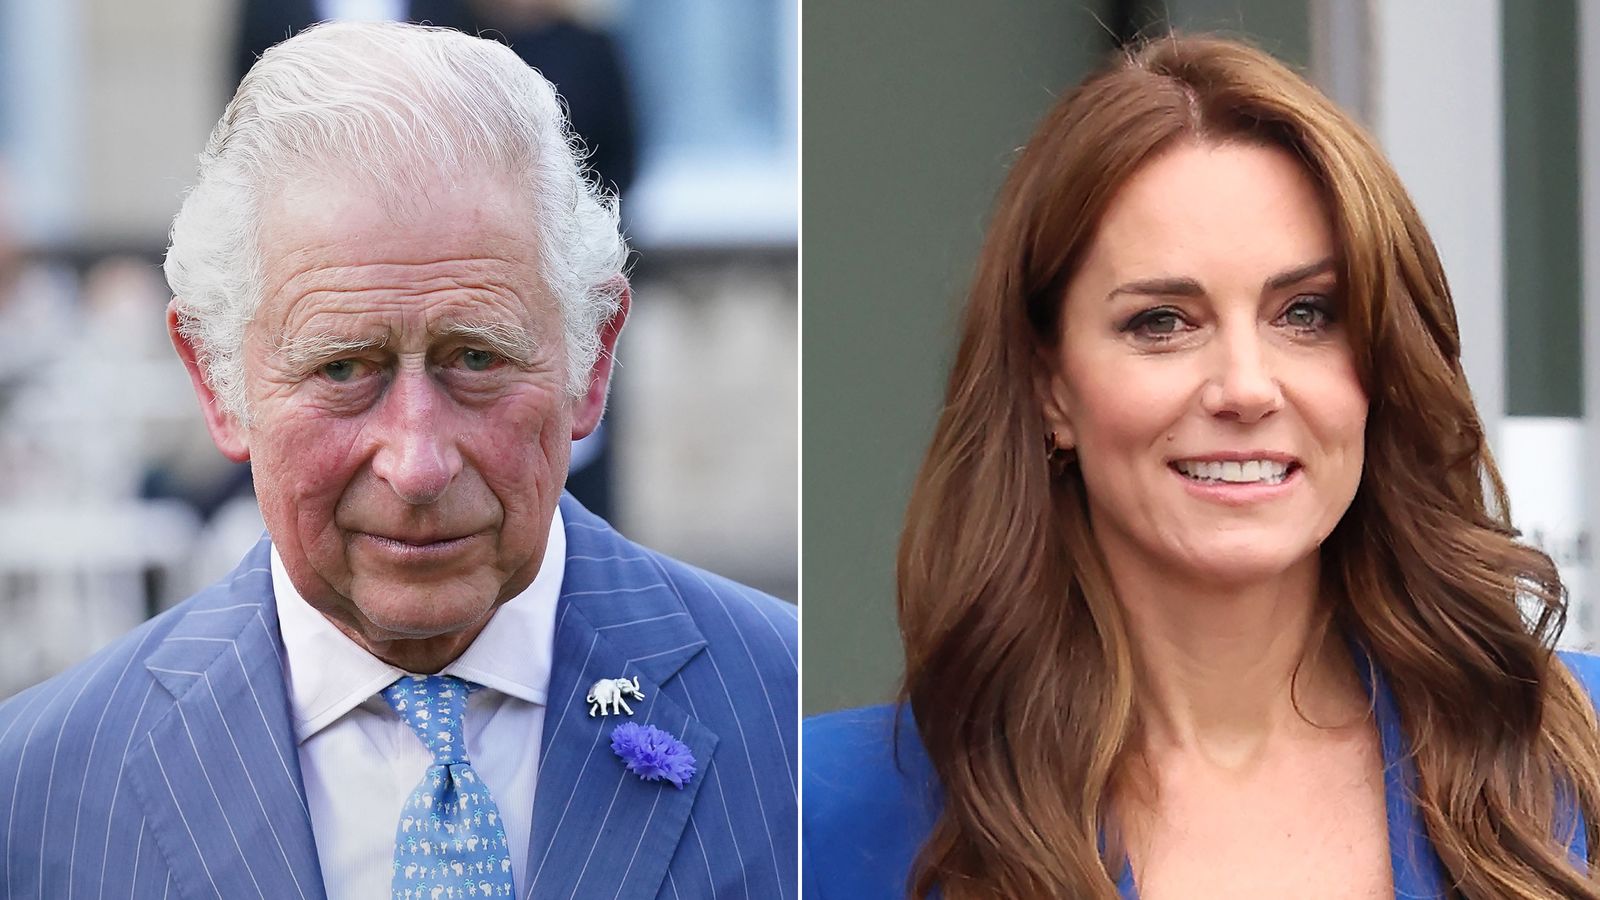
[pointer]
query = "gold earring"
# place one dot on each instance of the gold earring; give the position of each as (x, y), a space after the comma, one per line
(1056, 454)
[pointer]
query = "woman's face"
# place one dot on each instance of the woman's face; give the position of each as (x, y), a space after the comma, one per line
(1204, 375)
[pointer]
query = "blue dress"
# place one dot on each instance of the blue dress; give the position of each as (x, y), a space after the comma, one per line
(870, 798)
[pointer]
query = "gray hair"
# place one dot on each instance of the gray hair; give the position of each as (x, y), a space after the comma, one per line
(400, 107)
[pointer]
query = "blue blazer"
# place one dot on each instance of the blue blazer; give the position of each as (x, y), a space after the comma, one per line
(872, 797)
(165, 765)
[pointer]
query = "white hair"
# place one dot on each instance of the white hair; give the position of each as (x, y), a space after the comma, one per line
(400, 107)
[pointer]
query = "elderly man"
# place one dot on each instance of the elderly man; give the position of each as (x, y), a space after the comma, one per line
(398, 298)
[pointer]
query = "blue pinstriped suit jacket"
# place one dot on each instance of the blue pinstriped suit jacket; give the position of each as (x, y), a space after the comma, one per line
(165, 765)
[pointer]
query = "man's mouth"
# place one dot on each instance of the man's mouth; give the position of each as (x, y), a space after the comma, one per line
(416, 541)
(418, 547)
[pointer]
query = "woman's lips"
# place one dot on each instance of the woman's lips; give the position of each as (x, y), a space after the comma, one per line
(1237, 493)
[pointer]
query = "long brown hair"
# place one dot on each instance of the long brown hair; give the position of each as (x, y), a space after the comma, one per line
(1019, 670)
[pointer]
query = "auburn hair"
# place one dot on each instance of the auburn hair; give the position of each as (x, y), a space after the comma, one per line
(1019, 669)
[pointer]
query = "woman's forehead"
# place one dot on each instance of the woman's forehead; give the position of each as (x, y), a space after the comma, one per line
(1249, 209)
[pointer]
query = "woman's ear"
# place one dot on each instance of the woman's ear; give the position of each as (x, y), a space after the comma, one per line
(1055, 402)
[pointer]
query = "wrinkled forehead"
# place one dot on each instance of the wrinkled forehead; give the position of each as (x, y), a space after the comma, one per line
(469, 214)
(401, 184)
(328, 241)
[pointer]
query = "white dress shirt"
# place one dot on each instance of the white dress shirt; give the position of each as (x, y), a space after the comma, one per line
(360, 761)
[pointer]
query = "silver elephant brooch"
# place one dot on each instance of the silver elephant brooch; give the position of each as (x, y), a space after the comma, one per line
(609, 696)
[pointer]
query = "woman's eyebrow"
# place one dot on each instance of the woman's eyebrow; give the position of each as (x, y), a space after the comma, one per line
(1300, 273)
(1160, 287)
(1183, 286)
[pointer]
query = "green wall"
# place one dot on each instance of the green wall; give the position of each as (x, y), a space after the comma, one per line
(1281, 27)
(1544, 327)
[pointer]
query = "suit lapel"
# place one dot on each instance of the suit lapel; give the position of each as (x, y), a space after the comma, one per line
(219, 774)
(599, 830)
(1416, 867)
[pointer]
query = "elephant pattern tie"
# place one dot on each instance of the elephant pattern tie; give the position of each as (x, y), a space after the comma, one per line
(450, 842)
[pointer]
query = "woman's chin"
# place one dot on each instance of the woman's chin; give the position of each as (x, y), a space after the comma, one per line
(1243, 566)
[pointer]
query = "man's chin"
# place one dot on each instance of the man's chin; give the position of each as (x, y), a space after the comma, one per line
(410, 612)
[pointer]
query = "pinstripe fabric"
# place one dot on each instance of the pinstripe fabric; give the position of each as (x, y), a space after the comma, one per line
(164, 766)
(163, 756)
(717, 664)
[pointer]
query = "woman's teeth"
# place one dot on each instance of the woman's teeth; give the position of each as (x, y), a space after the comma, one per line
(1255, 471)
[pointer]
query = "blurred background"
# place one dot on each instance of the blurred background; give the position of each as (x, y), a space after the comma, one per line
(114, 504)
(1489, 109)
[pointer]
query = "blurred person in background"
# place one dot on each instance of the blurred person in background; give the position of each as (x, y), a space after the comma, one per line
(399, 297)
(585, 65)
(1208, 586)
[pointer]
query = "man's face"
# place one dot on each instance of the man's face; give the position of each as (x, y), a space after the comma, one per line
(410, 414)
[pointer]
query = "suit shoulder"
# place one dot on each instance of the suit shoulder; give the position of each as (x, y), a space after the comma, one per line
(852, 756)
(761, 619)
(51, 707)
(1586, 668)
(869, 800)
(723, 609)
(110, 683)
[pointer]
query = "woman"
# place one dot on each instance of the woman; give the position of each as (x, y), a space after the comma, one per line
(1200, 588)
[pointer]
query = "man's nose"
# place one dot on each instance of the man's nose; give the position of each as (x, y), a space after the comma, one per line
(1243, 385)
(417, 454)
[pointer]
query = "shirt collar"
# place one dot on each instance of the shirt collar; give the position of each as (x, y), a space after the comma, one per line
(328, 674)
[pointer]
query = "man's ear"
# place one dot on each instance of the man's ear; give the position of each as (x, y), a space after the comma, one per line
(226, 431)
(586, 411)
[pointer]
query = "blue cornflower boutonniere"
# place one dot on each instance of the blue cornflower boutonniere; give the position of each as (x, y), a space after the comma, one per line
(653, 754)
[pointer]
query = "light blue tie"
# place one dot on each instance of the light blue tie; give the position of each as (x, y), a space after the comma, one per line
(450, 842)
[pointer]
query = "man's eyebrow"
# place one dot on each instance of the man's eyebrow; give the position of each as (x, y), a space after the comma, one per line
(310, 350)
(510, 341)
(1181, 286)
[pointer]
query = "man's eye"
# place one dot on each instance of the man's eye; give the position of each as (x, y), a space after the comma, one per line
(477, 360)
(340, 370)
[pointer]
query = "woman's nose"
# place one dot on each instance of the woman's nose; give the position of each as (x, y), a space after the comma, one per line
(1243, 385)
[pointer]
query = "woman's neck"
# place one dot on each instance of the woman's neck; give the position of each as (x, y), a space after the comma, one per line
(1224, 669)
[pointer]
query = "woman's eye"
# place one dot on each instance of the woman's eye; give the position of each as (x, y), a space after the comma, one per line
(1156, 323)
(1309, 314)
(477, 360)
(340, 370)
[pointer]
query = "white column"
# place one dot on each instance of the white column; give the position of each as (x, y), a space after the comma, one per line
(1437, 110)
(1341, 54)
(1584, 607)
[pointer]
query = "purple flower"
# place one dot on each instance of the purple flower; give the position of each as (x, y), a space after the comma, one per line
(653, 754)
